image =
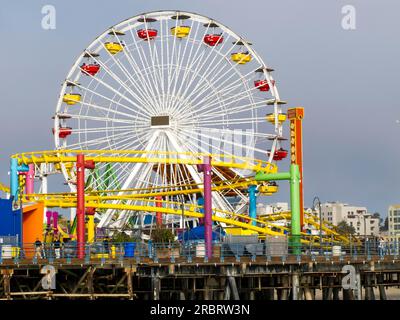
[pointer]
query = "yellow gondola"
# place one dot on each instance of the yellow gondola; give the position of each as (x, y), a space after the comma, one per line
(71, 98)
(271, 117)
(268, 189)
(180, 31)
(114, 47)
(241, 57)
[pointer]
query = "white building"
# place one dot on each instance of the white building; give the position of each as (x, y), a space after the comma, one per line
(394, 221)
(263, 209)
(358, 217)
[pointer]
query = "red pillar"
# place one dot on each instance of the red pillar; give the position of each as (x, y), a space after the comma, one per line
(80, 204)
(159, 219)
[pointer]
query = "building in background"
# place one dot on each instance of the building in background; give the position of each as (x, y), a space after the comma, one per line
(364, 223)
(263, 209)
(394, 221)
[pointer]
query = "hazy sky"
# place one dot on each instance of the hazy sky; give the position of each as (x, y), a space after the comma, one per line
(347, 80)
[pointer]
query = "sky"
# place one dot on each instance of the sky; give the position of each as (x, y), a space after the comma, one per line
(347, 80)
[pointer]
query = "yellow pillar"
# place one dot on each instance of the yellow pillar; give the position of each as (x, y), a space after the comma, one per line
(90, 228)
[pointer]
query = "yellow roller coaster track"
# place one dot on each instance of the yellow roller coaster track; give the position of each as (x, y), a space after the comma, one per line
(4, 188)
(135, 156)
(98, 198)
(263, 227)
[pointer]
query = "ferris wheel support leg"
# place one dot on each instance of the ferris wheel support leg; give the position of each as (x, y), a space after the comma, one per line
(253, 203)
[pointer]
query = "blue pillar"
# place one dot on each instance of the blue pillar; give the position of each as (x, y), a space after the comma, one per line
(13, 178)
(14, 168)
(253, 203)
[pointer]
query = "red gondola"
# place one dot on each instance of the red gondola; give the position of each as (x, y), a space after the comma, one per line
(213, 39)
(147, 34)
(91, 69)
(279, 154)
(263, 85)
(63, 132)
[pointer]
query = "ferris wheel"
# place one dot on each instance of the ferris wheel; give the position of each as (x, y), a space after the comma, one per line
(169, 83)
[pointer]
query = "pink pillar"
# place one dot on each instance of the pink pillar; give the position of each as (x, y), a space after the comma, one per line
(206, 169)
(55, 222)
(48, 218)
(29, 184)
(80, 204)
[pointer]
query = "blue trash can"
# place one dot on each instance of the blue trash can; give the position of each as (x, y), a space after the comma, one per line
(129, 248)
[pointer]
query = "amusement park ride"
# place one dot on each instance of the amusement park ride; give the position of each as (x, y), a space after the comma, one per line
(137, 117)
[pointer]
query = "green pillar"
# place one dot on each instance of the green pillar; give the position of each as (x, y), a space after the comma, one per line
(295, 208)
(294, 178)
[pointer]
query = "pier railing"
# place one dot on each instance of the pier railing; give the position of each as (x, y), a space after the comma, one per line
(190, 250)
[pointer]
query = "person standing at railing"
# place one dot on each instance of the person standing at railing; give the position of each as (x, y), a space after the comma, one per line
(38, 248)
(381, 247)
(57, 248)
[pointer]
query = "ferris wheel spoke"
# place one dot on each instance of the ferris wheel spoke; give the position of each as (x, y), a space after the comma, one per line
(150, 78)
(189, 60)
(145, 92)
(211, 137)
(108, 110)
(121, 83)
(140, 97)
(94, 142)
(117, 93)
(207, 72)
(106, 98)
(170, 57)
(93, 118)
(156, 71)
(101, 129)
(145, 85)
(224, 88)
(179, 62)
(233, 110)
(228, 100)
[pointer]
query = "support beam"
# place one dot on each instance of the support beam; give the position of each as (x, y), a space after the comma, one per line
(80, 206)
(159, 219)
(206, 169)
(253, 203)
(295, 116)
(294, 176)
(30, 179)
(295, 286)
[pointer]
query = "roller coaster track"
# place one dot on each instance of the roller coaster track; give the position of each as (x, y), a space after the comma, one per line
(262, 227)
(4, 188)
(144, 198)
(136, 156)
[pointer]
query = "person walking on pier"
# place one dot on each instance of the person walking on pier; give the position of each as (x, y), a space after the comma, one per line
(105, 245)
(38, 248)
